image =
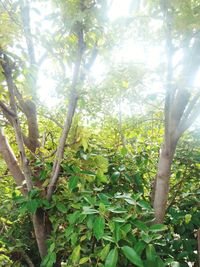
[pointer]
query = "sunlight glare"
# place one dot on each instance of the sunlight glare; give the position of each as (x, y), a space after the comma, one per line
(119, 9)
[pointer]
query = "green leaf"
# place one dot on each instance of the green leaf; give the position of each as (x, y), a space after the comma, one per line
(112, 258)
(117, 232)
(144, 204)
(117, 210)
(146, 237)
(98, 227)
(88, 210)
(52, 259)
(118, 219)
(49, 260)
(175, 264)
(32, 205)
(139, 247)
(158, 228)
(108, 238)
(104, 198)
(61, 207)
(124, 151)
(75, 256)
(104, 252)
(132, 256)
(141, 226)
(69, 230)
(150, 253)
(160, 263)
(115, 176)
(74, 217)
(43, 175)
(83, 260)
(73, 181)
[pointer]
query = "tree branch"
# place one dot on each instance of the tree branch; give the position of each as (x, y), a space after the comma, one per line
(29, 109)
(6, 109)
(52, 119)
(5, 63)
(27, 258)
(71, 110)
(191, 119)
(11, 162)
(177, 109)
(188, 110)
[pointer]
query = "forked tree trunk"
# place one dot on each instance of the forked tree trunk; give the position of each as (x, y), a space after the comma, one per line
(162, 183)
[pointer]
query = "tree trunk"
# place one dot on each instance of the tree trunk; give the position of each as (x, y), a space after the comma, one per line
(198, 242)
(162, 183)
(40, 231)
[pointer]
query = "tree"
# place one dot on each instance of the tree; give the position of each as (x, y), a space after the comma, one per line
(15, 106)
(82, 167)
(181, 101)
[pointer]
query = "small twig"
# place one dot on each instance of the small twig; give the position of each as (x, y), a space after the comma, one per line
(27, 258)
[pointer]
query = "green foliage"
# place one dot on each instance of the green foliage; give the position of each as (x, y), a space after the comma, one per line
(100, 214)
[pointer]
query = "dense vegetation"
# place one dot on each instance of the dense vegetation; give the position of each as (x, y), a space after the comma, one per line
(99, 136)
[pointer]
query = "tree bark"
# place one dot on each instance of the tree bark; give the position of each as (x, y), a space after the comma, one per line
(38, 217)
(40, 231)
(198, 242)
(162, 183)
(11, 162)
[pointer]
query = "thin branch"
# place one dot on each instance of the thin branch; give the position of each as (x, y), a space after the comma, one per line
(53, 119)
(191, 119)
(177, 109)
(71, 110)
(189, 109)
(27, 258)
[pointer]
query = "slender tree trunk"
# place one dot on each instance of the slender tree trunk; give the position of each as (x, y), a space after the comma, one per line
(198, 241)
(40, 231)
(162, 183)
